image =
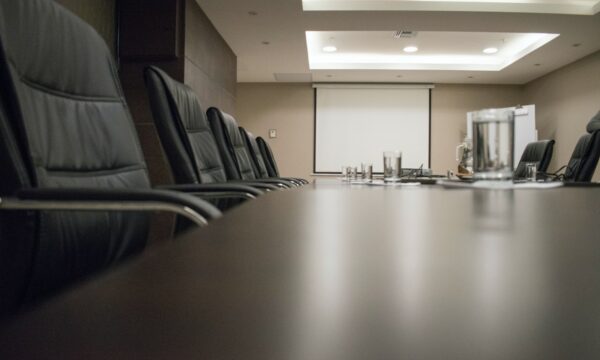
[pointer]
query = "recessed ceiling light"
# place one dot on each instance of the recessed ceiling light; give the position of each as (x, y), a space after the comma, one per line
(379, 57)
(329, 75)
(471, 77)
(252, 13)
(398, 76)
(490, 50)
(330, 48)
(265, 43)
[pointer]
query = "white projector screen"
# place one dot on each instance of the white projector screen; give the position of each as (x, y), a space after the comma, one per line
(355, 124)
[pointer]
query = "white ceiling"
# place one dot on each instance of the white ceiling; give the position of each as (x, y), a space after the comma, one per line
(283, 24)
(574, 7)
(437, 50)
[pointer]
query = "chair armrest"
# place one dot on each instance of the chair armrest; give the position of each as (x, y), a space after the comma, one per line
(299, 180)
(218, 190)
(281, 184)
(292, 181)
(81, 199)
(263, 186)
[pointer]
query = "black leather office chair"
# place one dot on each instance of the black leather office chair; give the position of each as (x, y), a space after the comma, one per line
(269, 158)
(260, 168)
(267, 154)
(232, 147)
(258, 162)
(73, 183)
(186, 136)
(539, 152)
(585, 156)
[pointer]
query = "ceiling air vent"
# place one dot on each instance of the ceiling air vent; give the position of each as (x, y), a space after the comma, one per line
(405, 34)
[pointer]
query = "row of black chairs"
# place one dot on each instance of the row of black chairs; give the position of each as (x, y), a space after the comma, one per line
(208, 147)
(75, 195)
(583, 161)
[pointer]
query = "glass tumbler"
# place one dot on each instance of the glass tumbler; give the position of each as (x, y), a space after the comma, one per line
(367, 172)
(392, 163)
(531, 171)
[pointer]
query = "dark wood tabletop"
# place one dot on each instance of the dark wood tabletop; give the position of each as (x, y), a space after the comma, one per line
(333, 271)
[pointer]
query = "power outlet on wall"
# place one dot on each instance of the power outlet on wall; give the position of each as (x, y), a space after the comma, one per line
(272, 133)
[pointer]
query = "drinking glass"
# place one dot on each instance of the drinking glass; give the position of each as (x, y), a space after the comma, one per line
(353, 173)
(493, 144)
(531, 171)
(345, 173)
(366, 171)
(392, 163)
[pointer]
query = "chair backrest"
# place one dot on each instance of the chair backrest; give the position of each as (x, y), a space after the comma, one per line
(585, 156)
(184, 130)
(267, 154)
(258, 162)
(539, 152)
(64, 123)
(232, 146)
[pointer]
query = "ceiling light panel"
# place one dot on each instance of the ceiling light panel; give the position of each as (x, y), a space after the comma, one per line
(379, 50)
(574, 7)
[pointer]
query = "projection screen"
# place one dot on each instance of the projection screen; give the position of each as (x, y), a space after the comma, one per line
(357, 123)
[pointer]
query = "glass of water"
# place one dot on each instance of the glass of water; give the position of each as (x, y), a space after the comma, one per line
(392, 163)
(366, 172)
(345, 173)
(531, 171)
(353, 170)
(493, 144)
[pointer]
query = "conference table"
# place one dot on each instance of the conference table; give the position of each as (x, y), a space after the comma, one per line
(339, 271)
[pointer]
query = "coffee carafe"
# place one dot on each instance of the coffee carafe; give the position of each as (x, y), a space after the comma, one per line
(464, 156)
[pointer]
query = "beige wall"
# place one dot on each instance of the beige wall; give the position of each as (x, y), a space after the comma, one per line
(289, 108)
(565, 101)
(98, 13)
(449, 106)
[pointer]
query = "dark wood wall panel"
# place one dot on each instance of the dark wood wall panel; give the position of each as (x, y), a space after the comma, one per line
(210, 64)
(156, 32)
(98, 13)
(152, 33)
(176, 36)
